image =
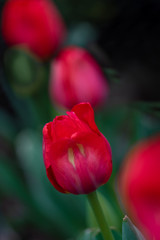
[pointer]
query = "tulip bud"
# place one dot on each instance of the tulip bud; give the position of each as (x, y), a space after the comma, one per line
(35, 24)
(77, 156)
(139, 183)
(76, 77)
(25, 72)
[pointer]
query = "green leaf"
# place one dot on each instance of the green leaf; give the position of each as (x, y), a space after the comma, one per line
(116, 235)
(129, 231)
(90, 234)
(95, 234)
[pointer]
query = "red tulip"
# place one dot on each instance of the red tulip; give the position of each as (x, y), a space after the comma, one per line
(75, 78)
(140, 186)
(36, 24)
(77, 156)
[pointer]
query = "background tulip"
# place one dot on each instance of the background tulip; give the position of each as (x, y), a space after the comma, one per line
(36, 24)
(139, 183)
(76, 77)
(77, 156)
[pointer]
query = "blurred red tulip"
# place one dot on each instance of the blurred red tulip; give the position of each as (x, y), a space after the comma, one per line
(36, 24)
(139, 183)
(77, 156)
(76, 77)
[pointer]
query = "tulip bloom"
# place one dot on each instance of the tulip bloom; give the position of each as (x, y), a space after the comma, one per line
(77, 156)
(36, 24)
(76, 77)
(139, 183)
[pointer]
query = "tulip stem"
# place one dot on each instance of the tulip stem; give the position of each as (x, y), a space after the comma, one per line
(94, 202)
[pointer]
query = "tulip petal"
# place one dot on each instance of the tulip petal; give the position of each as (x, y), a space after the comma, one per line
(97, 156)
(66, 126)
(47, 132)
(63, 169)
(47, 140)
(85, 113)
(52, 179)
(82, 164)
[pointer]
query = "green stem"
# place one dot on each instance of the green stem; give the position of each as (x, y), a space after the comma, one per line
(94, 202)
